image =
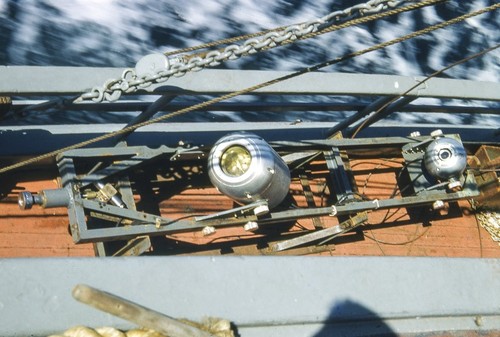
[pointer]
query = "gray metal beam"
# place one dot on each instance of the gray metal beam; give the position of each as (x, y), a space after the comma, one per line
(38, 80)
(23, 80)
(138, 105)
(379, 114)
(31, 140)
(377, 104)
(263, 296)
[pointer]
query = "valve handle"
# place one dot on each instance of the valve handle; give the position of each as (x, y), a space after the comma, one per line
(26, 200)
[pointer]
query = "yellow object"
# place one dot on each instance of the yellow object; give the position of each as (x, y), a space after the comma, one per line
(235, 161)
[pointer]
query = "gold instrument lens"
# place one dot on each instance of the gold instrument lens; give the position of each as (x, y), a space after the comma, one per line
(235, 161)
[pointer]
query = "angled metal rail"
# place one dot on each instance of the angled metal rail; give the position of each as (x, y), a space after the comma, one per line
(26, 85)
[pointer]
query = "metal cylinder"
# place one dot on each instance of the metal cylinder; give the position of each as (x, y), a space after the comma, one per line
(55, 198)
(246, 168)
(58, 197)
(445, 158)
(115, 198)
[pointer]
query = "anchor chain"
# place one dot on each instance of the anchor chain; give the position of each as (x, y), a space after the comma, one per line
(157, 68)
(253, 88)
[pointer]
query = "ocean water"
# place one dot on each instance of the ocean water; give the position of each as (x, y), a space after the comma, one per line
(118, 33)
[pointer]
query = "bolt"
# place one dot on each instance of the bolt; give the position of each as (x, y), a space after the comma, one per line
(438, 204)
(25, 200)
(251, 226)
(261, 210)
(208, 230)
(455, 185)
(437, 133)
(415, 134)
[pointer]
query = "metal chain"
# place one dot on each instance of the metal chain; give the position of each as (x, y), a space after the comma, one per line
(368, 8)
(131, 80)
(205, 104)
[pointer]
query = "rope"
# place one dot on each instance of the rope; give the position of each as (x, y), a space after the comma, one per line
(309, 35)
(223, 41)
(366, 19)
(466, 59)
(130, 82)
(490, 221)
(214, 326)
(252, 88)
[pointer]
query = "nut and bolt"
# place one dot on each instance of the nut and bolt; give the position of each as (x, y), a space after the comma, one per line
(261, 210)
(208, 230)
(251, 226)
(455, 185)
(438, 205)
(437, 133)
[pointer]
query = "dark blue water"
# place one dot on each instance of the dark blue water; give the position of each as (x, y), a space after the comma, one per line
(118, 33)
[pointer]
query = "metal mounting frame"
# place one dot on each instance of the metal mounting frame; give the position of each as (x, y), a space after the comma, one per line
(122, 160)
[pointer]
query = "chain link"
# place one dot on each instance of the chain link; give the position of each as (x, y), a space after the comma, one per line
(205, 104)
(130, 81)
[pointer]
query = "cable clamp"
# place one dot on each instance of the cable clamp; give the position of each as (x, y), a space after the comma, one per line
(334, 211)
(377, 204)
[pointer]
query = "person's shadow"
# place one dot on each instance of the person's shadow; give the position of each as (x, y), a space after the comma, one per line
(348, 318)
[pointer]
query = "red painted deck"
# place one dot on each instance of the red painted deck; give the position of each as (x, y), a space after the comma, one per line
(38, 232)
(453, 233)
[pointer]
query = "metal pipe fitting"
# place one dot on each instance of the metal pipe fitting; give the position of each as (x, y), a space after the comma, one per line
(58, 197)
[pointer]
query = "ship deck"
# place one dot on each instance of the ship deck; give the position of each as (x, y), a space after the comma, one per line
(452, 290)
(453, 232)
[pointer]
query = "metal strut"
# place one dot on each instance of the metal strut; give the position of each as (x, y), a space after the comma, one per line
(94, 217)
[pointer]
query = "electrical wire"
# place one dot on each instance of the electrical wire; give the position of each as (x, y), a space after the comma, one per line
(394, 193)
(436, 73)
(403, 243)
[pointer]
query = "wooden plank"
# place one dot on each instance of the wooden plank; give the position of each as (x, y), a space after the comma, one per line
(41, 232)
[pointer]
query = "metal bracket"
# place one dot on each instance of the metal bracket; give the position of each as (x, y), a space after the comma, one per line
(258, 208)
(111, 222)
(328, 233)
